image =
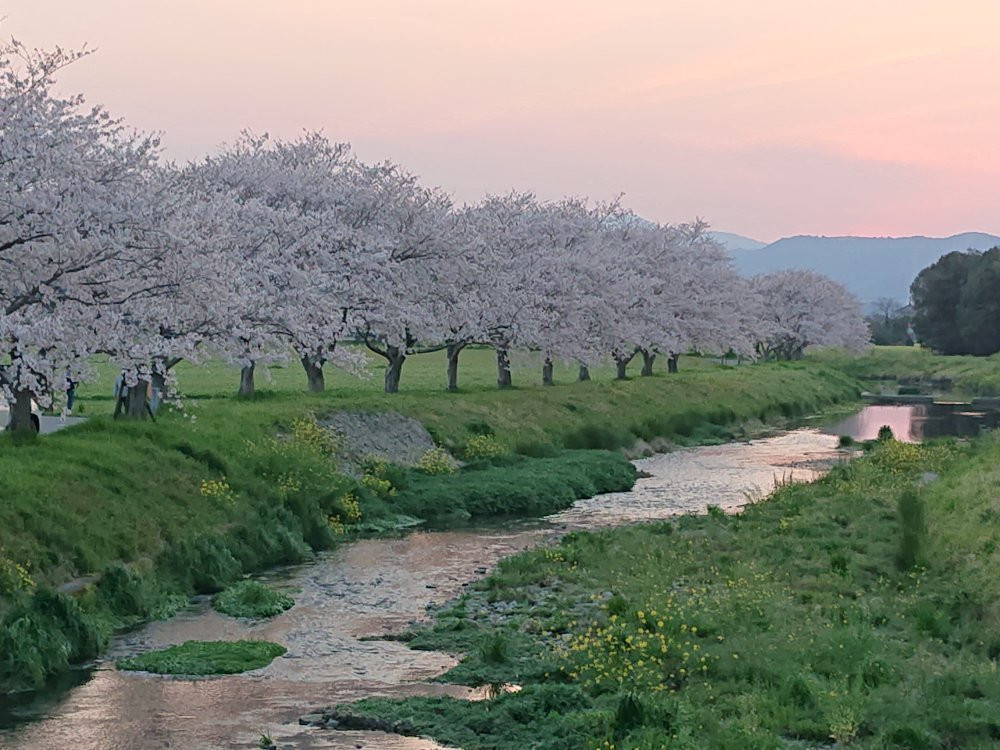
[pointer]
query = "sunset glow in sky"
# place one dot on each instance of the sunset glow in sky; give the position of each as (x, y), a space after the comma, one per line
(766, 117)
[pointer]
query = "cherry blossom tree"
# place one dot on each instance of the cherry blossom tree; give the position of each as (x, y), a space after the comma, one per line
(300, 245)
(506, 241)
(572, 284)
(78, 234)
(411, 242)
(271, 247)
(461, 299)
(670, 289)
(252, 238)
(804, 308)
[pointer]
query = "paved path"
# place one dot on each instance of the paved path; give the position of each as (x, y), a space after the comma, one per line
(47, 424)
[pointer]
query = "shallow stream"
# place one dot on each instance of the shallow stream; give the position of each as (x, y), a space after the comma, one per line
(375, 587)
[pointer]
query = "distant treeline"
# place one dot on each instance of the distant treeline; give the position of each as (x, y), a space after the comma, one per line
(956, 303)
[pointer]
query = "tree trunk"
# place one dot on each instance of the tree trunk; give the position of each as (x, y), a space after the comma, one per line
(503, 369)
(314, 374)
(246, 381)
(584, 373)
(135, 402)
(621, 362)
(547, 372)
(20, 413)
(395, 357)
(159, 389)
(453, 351)
(672, 362)
(647, 362)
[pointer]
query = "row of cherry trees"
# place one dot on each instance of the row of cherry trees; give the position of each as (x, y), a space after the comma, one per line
(270, 249)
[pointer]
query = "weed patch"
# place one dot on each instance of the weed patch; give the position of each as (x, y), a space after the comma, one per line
(252, 599)
(206, 657)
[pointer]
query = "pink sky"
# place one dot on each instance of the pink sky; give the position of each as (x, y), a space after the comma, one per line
(765, 117)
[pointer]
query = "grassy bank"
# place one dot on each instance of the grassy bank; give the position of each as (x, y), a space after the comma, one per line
(227, 487)
(962, 375)
(861, 610)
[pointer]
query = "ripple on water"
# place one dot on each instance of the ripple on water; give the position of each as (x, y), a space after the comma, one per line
(688, 481)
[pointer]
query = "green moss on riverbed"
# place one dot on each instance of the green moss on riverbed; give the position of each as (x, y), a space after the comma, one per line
(796, 624)
(196, 658)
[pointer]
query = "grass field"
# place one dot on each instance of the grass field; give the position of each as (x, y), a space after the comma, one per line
(859, 611)
(702, 392)
(969, 376)
(221, 486)
(422, 373)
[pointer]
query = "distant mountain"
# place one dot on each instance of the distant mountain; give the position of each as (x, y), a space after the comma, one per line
(871, 267)
(737, 241)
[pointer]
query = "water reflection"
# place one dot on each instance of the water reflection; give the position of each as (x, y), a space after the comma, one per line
(913, 423)
(728, 476)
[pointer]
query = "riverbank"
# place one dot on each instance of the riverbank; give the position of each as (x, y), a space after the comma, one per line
(859, 610)
(919, 370)
(154, 512)
(364, 589)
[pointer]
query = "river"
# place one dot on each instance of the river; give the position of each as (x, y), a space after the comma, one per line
(374, 587)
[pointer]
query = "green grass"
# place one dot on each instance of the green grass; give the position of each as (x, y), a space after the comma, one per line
(964, 375)
(85, 497)
(195, 658)
(252, 599)
(424, 372)
(515, 485)
(223, 487)
(702, 392)
(800, 623)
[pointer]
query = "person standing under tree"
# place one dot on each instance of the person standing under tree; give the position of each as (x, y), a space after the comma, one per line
(70, 391)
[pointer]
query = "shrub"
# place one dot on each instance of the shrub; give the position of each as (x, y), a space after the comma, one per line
(123, 592)
(307, 431)
(219, 490)
(436, 461)
(494, 649)
(381, 469)
(845, 441)
(43, 634)
(629, 713)
(913, 523)
(13, 576)
(380, 487)
(536, 449)
(479, 427)
(251, 599)
(350, 507)
(204, 563)
(481, 447)
(598, 437)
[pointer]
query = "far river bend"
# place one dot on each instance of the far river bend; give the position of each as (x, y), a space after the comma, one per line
(372, 587)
